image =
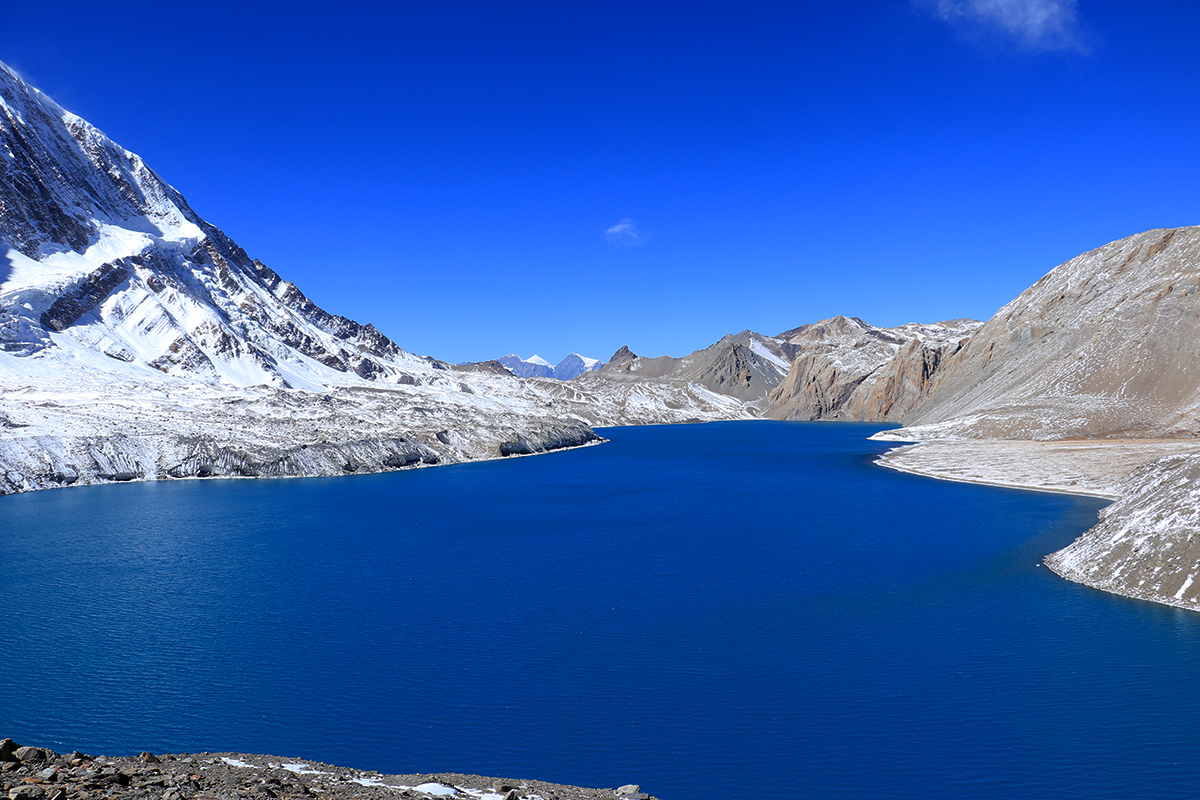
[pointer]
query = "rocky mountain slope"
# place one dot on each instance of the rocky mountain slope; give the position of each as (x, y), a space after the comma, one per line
(1098, 353)
(844, 368)
(745, 365)
(137, 341)
(1147, 544)
(1102, 346)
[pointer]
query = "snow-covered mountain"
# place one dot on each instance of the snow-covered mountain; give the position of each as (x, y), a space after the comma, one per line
(534, 367)
(569, 368)
(575, 365)
(103, 251)
(138, 341)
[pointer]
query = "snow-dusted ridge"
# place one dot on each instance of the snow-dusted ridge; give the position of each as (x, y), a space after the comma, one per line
(137, 341)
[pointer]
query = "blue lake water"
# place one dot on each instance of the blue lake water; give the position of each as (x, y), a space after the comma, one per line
(729, 610)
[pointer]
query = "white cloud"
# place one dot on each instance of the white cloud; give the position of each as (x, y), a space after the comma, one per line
(624, 234)
(1038, 24)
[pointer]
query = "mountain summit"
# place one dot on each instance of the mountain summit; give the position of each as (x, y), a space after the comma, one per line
(101, 249)
(570, 367)
(137, 341)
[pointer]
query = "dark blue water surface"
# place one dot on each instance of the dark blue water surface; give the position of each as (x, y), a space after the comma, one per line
(729, 610)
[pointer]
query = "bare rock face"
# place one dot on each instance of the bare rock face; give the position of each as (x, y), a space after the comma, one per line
(845, 369)
(1104, 345)
(1147, 544)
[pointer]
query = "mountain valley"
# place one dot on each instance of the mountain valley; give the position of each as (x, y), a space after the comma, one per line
(139, 342)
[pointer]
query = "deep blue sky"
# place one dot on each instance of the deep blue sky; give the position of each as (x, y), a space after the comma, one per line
(480, 178)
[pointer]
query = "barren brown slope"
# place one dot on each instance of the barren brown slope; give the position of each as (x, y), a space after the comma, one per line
(1105, 345)
(744, 365)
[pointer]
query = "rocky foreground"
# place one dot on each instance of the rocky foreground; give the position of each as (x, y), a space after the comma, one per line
(37, 773)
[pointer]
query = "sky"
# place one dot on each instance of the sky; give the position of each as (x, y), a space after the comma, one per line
(482, 178)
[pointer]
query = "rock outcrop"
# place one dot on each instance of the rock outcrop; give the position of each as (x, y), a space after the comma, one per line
(39, 773)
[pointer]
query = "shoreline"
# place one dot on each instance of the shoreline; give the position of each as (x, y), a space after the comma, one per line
(1090, 468)
(1141, 546)
(884, 461)
(212, 460)
(37, 773)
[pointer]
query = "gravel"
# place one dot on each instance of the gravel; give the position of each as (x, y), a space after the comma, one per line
(36, 773)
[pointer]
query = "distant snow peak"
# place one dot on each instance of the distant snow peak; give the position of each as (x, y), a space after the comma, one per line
(575, 365)
(527, 369)
(570, 367)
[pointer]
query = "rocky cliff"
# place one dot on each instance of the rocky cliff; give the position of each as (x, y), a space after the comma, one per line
(845, 369)
(1102, 346)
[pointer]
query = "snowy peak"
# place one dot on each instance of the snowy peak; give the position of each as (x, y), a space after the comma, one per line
(527, 368)
(98, 255)
(575, 365)
(62, 181)
(569, 368)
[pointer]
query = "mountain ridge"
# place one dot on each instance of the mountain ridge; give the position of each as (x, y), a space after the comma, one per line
(137, 341)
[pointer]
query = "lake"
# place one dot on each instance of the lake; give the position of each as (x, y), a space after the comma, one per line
(730, 610)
